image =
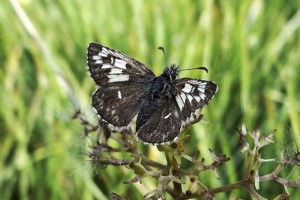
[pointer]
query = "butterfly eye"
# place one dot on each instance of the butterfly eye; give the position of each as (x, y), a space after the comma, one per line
(174, 73)
(171, 72)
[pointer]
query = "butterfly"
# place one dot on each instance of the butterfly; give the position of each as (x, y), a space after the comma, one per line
(130, 97)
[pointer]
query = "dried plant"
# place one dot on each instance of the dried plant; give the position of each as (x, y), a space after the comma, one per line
(171, 176)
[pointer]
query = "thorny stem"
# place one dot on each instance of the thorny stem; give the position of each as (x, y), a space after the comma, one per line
(148, 162)
(177, 186)
(172, 163)
(114, 162)
(280, 180)
(275, 177)
(157, 170)
(253, 193)
(228, 187)
(250, 159)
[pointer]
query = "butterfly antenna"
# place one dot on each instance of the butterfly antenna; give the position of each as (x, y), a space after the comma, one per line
(201, 68)
(165, 57)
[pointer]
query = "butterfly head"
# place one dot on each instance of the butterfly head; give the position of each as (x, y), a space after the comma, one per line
(171, 72)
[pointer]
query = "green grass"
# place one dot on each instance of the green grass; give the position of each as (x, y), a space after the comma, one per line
(251, 49)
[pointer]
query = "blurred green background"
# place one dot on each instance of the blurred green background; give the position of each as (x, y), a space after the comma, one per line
(251, 48)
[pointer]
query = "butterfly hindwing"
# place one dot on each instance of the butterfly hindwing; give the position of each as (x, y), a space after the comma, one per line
(163, 125)
(117, 105)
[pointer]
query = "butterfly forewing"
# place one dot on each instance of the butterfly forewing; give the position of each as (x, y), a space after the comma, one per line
(191, 96)
(172, 114)
(109, 66)
(122, 82)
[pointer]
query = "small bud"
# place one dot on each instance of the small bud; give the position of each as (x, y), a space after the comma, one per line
(174, 145)
(244, 130)
(188, 193)
(245, 147)
(215, 173)
(256, 180)
(131, 164)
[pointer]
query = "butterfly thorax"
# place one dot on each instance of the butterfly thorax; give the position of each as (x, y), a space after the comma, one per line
(159, 93)
(161, 86)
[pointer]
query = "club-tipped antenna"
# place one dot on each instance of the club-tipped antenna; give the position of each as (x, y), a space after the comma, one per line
(201, 68)
(165, 57)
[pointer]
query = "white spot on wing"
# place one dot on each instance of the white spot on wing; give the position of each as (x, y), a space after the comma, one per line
(98, 62)
(202, 96)
(96, 57)
(106, 66)
(117, 78)
(179, 102)
(101, 54)
(201, 89)
(120, 63)
(197, 98)
(167, 116)
(203, 84)
(187, 88)
(119, 94)
(189, 97)
(116, 71)
(105, 51)
(183, 97)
